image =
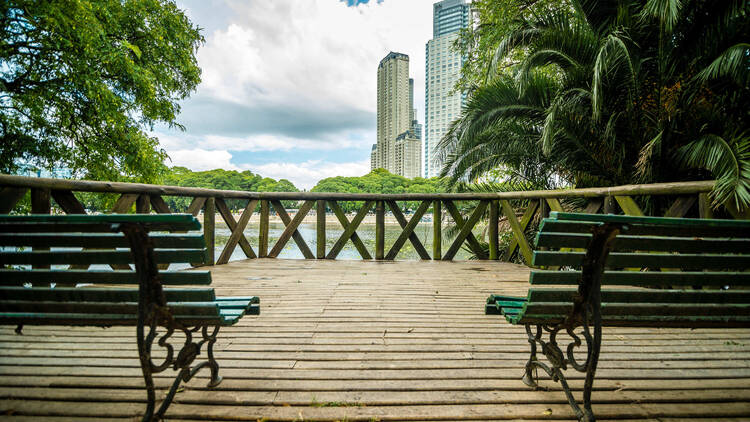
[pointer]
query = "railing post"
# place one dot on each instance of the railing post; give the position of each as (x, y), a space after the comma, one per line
(492, 232)
(40, 204)
(609, 205)
(704, 206)
(379, 230)
(263, 230)
(143, 204)
(543, 208)
(437, 236)
(209, 228)
(320, 212)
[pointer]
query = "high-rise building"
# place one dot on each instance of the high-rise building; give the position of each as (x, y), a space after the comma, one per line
(396, 116)
(442, 70)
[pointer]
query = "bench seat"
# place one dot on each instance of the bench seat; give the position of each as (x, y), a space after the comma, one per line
(595, 271)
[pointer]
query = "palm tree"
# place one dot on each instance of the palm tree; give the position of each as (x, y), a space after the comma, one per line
(613, 92)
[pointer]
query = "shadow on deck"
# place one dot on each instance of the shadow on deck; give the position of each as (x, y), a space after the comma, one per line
(354, 340)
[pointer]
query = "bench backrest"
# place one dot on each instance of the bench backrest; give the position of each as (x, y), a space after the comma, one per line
(37, 251)
(670, 260)
(69, 244)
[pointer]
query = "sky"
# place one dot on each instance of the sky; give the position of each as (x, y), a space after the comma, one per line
(289, 86)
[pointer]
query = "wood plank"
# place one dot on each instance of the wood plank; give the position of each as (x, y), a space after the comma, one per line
(705, 210)
(291, 229)
(143, 204)
(527, 217)
(408, 230)
(379, 230)
(196, 205)
(68, 202)
(350, 230)
(237, 235)
(9, 197)
(320, 229)
(40, 204)
(437, 236)
(209, 230)
(681, 206)
(263, 229)
(519, 234)
(124, 203)
(464, 234)
(628, 205)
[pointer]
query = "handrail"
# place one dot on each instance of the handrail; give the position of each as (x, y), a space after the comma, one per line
(687, 198)
(672, 188)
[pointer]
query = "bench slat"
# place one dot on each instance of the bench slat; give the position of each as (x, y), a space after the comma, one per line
(727, 232)
(130, 308)
(649, 260)
(41, 223)
(647, 278)
(646, 296)
(101, 295)
(98, 320)
(163, 256)
(646, 243)
(17, 277)
(640, 309)
(99, 240)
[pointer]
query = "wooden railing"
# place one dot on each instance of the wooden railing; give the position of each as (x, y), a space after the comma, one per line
(686, 198)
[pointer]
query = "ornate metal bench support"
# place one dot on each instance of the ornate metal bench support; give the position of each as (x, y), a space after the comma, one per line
(153, 313)
(586, 315)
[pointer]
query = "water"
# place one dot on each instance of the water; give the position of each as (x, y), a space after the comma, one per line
(365, 231)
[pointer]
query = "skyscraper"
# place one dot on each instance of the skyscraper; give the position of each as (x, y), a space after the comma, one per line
(396, 119)
(442, 70)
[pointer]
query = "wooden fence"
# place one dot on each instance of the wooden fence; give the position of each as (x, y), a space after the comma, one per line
(686, 197)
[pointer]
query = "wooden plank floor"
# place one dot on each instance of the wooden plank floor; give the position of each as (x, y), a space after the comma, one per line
(351, 340)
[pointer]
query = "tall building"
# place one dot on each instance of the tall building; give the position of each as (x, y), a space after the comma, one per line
(442, 70)
(396, 116)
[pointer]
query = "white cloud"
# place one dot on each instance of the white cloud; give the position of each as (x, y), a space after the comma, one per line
(306, 174)
(201, 159)
(255, 143)
(316, 53)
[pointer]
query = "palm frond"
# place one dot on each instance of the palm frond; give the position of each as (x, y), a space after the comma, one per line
(733, 63)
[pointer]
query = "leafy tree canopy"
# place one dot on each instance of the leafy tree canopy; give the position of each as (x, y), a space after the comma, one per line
(81, 81)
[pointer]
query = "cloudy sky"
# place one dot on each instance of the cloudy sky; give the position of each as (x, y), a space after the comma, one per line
(289, 86)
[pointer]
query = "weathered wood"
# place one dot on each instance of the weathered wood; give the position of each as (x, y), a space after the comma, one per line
(40, 204)
(9, 197)
(527, 217)
(408, 230)
(320, 229)
(681, 206)
(263, 229)
(209, 229)
(593, 206)
(610, 205)
(519, 234)
(554, 204)
(341, 216)
(676, 188)
(379, 230)
(143, 204)
(158, 204)
(68, 202)
(196, 206)
(492, 230)
(465, 230)
(349, 229)
(543, 208)
(437, 235)
(237, 229)
(704, 206)
(124, 203)
(628, 205)
(291, 229)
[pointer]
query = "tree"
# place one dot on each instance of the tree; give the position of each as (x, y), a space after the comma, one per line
(82, 80)
(611, 92)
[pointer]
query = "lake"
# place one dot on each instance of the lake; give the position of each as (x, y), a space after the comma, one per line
(365, 231)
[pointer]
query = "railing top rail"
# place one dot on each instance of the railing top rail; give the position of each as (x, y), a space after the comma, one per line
(675, 188)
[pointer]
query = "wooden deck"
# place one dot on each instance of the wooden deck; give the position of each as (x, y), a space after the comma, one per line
(353, 340)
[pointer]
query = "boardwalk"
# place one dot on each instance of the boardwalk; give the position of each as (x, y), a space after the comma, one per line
(352, 340)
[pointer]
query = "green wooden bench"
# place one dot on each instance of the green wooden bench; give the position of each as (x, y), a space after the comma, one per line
(661, 272)
(44, 259)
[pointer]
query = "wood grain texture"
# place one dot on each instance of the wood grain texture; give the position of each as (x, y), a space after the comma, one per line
(362, 340)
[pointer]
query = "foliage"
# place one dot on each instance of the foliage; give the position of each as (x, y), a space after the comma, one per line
(379, 181)
(81, 82)
(225, 180)
(613, 92)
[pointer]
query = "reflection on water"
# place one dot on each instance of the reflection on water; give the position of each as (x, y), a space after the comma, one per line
(366, 232)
